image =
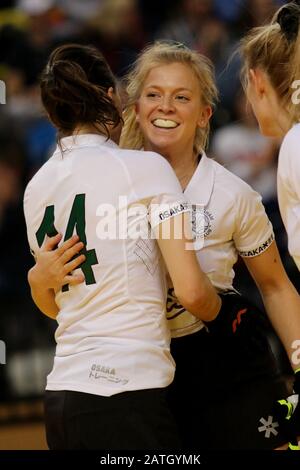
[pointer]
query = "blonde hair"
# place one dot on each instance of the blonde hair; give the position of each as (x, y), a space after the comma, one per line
(162, 53)
(270, 48)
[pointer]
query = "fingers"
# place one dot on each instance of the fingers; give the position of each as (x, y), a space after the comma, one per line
(71, 252)
(69, 267)
(67, 245)
(74, 279)
(52, 242)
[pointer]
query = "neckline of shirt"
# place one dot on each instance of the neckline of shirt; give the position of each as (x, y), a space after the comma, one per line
(202, 181)
(84, 140)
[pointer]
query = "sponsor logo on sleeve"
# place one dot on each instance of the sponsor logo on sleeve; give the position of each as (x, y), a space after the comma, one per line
(259, 250)
(172, 211)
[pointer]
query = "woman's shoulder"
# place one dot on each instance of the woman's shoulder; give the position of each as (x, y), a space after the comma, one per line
(228, 182)
(291, 140)
(145, 161)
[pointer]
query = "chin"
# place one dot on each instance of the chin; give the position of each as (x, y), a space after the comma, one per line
(162, 145)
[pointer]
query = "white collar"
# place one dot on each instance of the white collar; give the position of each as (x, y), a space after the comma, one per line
(84, 140)
(202, 182)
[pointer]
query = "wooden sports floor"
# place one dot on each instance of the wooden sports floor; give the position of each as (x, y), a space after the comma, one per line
(25, 436)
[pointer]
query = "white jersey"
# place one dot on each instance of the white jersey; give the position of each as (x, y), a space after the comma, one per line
(112, 333)
(235, 223)
(288, 183)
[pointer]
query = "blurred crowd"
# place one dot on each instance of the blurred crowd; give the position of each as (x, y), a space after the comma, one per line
(29, 30)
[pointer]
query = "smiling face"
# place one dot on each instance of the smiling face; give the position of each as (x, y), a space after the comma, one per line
(170, 109)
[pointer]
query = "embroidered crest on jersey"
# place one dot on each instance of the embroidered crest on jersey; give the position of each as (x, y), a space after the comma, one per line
(201, 221)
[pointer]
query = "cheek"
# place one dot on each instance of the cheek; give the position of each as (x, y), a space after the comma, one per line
(142, 110)
(194, 118)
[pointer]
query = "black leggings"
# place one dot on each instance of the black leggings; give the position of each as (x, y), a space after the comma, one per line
(224, 390)
(137, 420)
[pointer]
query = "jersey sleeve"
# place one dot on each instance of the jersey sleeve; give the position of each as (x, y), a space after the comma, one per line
(31, 215)
(26, 207)
(158, 184)
(253, 230)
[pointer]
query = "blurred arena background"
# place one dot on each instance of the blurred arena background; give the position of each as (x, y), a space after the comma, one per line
(29, 30)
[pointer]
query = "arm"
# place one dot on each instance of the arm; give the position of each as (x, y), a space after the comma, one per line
(43, 298)
(281, 300)
(192, 287)
(51, 272)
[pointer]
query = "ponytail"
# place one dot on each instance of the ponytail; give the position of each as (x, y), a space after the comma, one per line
(74, 88)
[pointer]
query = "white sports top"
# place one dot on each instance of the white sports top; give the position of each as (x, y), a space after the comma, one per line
(288, 182)
(112, 333)
(234, 223)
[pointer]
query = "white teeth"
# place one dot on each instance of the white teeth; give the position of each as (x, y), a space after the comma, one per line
(166, 123)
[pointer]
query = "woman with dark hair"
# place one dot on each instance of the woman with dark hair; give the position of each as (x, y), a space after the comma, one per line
(227, 379)
(112, 364)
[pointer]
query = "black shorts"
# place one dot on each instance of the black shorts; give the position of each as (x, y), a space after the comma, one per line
(221, 397)
(137, 420)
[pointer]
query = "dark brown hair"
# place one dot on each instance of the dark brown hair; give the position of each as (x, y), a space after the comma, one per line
(74, 87)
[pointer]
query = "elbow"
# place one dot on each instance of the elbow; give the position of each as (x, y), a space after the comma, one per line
(30, 276)
(276, 288)
(203, 303)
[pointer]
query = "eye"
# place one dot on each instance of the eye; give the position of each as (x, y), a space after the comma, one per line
(152, 94)
(182, 98)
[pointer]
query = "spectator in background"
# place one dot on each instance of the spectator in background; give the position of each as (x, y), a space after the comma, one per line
(256, 12)
(119, 26)
(79, 10)
(187, 21)
(251, 13)
(17, 310)
(21, 64)
(229, 10)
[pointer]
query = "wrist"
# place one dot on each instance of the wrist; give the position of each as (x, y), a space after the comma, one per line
(35, 280)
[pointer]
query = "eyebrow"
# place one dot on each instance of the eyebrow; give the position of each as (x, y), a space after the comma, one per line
(176, 89)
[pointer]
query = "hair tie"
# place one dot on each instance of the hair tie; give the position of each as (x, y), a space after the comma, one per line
(288, 19)
(177, 44)
(49, 69)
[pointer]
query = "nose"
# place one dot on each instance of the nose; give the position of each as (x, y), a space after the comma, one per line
(166, 104)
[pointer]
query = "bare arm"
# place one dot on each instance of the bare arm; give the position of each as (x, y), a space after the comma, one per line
(192, 287)
(281, 300)
(44, 299)
(51, 272)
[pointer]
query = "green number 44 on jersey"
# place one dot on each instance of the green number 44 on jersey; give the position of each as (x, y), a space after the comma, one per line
(76, 223)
